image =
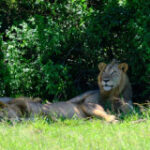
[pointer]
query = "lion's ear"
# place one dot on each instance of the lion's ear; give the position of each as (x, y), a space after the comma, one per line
(123, 67)
(101, 66)
(2, 105)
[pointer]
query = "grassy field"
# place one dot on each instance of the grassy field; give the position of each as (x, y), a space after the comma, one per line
(76, 135)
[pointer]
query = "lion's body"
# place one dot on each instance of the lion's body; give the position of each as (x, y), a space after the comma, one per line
(6, 99)
(92, 96)
(18, 108)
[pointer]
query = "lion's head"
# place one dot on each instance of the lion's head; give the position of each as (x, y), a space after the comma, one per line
(20, 107)
(13, 110)
(111, 75)
(7, 112)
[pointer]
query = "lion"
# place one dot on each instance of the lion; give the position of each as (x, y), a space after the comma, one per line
(19, 108)
(115, 92)
(115, 87)
(13, 111)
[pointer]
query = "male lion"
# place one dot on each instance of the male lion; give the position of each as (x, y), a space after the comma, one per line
(18, 108)
(115, 88)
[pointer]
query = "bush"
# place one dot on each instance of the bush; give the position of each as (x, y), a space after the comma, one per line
(53, 49)
(4, 74)
(36, 51)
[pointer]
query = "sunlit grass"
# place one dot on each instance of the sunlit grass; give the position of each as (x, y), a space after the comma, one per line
(76, 135)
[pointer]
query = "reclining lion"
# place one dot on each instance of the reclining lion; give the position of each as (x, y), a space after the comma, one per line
(19, 108)
(115, 89)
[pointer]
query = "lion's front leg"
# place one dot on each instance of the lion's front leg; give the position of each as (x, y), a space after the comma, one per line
(96, 110)
(120, 105)
(126, 108)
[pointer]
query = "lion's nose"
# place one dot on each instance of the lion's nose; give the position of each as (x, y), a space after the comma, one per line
(106, 80)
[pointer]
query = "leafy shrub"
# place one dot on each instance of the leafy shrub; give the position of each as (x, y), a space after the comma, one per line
(53, 49)
(4, 74)
(140, 52)
(35, 51)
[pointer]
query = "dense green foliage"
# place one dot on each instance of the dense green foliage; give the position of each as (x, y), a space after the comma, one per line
(51, 49)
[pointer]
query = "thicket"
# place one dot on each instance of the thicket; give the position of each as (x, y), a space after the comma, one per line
(51, 49)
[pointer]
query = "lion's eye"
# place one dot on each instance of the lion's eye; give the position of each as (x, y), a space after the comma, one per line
(113, 72)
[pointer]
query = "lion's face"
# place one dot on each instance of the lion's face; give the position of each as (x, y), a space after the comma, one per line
(111, 74)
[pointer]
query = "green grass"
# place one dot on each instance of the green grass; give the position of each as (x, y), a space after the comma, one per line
(76, 135)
